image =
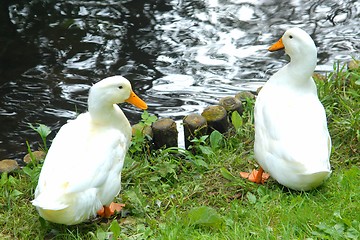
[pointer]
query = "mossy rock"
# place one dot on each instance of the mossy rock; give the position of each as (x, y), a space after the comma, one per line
(195, 125)
(165, 133)
(37, 155)
(216, 117)
(242, 96)
(8, 165)
(320, 77)
(353, 65)
(231, 104)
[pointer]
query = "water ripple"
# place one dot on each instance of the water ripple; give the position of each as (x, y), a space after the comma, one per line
(180, 56)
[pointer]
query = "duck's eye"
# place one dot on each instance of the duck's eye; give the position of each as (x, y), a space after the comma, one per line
(120, 87)
(290, 36)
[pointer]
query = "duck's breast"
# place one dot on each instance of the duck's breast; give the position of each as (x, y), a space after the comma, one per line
(291, 132)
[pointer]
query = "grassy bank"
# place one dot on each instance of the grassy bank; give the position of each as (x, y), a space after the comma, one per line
(198, 194)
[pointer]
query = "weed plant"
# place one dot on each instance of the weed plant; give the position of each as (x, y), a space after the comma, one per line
(198, 194)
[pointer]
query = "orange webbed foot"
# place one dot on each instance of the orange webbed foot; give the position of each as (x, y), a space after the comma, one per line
(108, 211)
(256, 176)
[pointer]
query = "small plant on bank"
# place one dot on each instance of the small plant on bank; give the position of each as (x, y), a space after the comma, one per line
(33, 169)
(44, 132)
(9, 191)
(340, 95)
(141, 138)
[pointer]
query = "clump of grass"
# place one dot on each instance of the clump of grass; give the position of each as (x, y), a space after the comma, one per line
(198, 194)
(340, 95)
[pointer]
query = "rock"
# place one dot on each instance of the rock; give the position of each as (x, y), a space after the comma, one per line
(318, 76)
(38, 156)
(216, 117)
(231, 104)
(165, 133)
(242, 96)
(353, 64)
(8, 165)
(195, 125)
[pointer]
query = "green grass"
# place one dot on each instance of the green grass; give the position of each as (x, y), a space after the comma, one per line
(198, 194)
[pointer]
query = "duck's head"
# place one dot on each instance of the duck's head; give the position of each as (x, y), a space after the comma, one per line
(296, 42)
(114, 90)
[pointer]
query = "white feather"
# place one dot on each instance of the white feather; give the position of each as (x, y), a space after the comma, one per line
(292, 141)
(82, 170)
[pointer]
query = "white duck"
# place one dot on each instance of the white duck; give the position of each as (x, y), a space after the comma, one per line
(292, 142)
(81, 174)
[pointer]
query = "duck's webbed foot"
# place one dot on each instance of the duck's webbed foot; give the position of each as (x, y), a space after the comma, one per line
(255, 176)
(108, 211)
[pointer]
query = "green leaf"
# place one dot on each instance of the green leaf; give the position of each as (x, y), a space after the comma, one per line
(115, 229)
(226, 174)
(4, 179)
(236, 120)
(15, 193)
(154, 178)
(204, 216)
(145, 115)
(215, 139)
(199, 162)
(339, 228)
(147, 118)
(166, 168)
(337, 214)
(251, 197)
(28, 171)
(30, 153)
(136, 201)
(42, 130)
(353, 233)
(205, 150)
(151, 120)
(13, 181)
(102, 235)
(43, 223)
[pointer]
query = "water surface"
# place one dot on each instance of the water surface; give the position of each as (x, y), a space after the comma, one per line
(180, 56)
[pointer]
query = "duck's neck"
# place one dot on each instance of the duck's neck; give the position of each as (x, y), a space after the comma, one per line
(106, 113)
(301, 68)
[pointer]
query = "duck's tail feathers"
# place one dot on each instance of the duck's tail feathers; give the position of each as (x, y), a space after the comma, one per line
(50, 203)
(323, 174)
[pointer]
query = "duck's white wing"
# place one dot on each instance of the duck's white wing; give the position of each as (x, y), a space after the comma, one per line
(81, 156)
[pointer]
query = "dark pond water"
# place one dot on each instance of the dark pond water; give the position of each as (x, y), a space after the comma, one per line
(180, 56)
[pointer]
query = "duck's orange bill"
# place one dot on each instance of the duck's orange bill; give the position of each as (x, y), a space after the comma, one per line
(277, 46)
(136, 101)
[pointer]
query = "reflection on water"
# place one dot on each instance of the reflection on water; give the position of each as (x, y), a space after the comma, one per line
(179, 55)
